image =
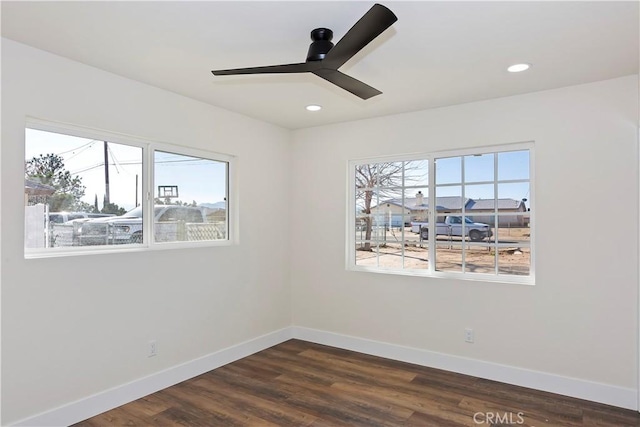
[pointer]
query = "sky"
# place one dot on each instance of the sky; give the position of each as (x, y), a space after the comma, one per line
(197, 179)
(203, 180)
(479, 174)
(512, 165)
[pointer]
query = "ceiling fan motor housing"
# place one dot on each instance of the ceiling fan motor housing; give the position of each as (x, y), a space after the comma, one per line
(321, 44)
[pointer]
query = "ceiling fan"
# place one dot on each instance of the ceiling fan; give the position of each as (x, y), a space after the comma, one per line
(323, 59)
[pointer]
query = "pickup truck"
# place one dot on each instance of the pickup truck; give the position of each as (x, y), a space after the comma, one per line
(128, 227)
(452, 226)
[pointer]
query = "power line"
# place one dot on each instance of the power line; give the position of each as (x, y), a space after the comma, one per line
(77, 148)
(115, 162)
(80, 150)
(132, 162)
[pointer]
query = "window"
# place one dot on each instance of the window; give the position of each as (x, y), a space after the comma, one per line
(463, 214)
(388, 196)
(93, 192)
(191, 195)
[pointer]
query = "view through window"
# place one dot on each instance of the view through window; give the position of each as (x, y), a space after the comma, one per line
(190, 202)
(468, 214)
(83, 192)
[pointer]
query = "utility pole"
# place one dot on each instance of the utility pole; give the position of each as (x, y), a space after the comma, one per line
(106, 173)
(136, 190)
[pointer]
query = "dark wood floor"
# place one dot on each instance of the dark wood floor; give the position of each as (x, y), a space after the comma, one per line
(303, 384)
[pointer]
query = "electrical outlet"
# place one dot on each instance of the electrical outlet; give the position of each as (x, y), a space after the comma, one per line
(153, 348)
(468, 335)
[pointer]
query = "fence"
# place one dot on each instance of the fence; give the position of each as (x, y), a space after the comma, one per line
(42, 233)
(60, 235)
(208, 231)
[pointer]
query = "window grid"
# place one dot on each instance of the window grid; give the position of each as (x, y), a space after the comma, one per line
(501, 269)
(199, 234)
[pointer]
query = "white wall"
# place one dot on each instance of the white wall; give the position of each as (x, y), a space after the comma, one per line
(76, 326)
(578, 321)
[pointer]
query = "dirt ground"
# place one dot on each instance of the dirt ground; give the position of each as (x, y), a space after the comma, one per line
(514, 260)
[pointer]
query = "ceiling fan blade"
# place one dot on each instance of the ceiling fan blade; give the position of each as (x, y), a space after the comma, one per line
(370, 26)
(270, 69)
(347, 83)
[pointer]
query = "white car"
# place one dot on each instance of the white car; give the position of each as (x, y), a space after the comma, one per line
(127, 228)
(64, 217)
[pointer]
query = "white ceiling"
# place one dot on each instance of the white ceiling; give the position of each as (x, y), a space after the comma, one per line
(436, 54)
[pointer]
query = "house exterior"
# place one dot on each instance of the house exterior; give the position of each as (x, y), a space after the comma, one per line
(397, 211)
(36, 192)
(483, 210)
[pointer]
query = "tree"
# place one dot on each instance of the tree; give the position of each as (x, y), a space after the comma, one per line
(112, 208)
(49, 169)
(385, 180)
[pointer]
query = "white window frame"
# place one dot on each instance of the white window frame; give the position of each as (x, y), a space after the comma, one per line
(431, 271)
(148, 154)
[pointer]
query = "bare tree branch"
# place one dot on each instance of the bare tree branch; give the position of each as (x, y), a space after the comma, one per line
(378, 181)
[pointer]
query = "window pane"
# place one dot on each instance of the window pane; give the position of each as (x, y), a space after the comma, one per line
(449, 170)
(513, 165)
(511, 195)
(390, 254)
(514, 228)
(448, 257)
(417, 203)
(365, 177)
(366, 200)
(416, 257)
(482, 197)
(449, 191)
(371, 204)
(363, 223)
(378, 230)
(77, 191)
(475, 230)
(479, 168)
(514, 261)
(366, 254)
(191, 198)
(480, 259)
(416, 173)
(389, 174)
(391, 195)
(449, 201)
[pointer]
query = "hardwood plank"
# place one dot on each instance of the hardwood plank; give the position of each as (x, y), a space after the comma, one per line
(298, 383)
(355, 365)
(420, 419)
(116, 417)
(148, 406)
(357, 407)
(267, 407)
(413, 401)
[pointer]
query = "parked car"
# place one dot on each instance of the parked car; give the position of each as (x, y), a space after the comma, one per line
(127, 228)
(452, 226)
(62, 217)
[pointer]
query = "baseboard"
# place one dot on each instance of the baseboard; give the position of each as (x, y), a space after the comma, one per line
(596, 392)
(98, 403)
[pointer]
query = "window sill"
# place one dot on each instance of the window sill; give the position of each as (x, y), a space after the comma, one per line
(79, 251)
(475, 277)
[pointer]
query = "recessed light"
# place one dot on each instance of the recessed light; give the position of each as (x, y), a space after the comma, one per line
(313, 107)
(516, 68)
